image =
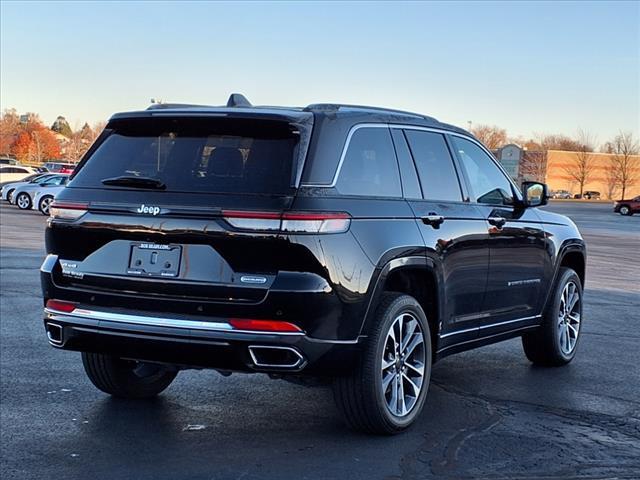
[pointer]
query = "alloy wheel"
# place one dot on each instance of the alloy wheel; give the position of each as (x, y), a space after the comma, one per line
(44, 205)
(23, 201)
(569, 318)
(624, 210)
(403, 365)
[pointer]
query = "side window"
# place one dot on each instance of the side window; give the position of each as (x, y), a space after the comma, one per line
(487, 182)
(370, 167)
(435, 166)
(410, 185)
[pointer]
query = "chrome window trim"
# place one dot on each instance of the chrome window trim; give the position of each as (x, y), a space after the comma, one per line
(400, 126)
(156, 321)
(492, 325)
(353, 130)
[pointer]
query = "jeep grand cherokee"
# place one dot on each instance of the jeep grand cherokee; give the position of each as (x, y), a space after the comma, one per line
(339, 242)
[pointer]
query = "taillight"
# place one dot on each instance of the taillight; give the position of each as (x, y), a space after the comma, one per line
(67, 210)
(61, 306)
(295, 222)
(263, 325)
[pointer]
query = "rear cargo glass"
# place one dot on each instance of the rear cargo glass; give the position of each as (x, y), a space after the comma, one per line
(219, 155)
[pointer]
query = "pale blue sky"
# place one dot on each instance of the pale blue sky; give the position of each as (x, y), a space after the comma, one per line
(528, 67)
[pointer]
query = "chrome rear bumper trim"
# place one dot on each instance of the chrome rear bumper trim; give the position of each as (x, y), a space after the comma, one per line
(154, 321)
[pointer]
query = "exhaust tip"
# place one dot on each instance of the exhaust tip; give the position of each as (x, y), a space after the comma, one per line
(276, 357)
(54, 333)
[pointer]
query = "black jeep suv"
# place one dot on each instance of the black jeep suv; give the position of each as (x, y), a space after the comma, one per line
(337, 242)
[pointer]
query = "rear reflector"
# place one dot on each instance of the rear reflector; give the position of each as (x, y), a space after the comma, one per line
(297, 222)
(67, 210)
(263, 325)
(60, 306)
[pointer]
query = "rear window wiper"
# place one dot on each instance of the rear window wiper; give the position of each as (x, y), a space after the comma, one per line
(133, 181)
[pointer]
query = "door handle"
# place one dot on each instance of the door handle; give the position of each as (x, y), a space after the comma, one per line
(497, 221)
(433, 219)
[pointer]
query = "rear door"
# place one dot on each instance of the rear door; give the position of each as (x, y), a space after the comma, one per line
(517, 244)
(453, 229)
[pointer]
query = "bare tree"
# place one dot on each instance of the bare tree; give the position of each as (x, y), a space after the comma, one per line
(534, 165)
(612, 181)
(626, 162)
(492, 137)
(581, 167)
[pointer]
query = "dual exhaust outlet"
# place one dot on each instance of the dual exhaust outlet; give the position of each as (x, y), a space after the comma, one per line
(285, 358)
(262, 356)
(55, 333)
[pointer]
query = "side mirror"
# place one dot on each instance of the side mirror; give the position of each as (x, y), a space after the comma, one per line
(535, 194)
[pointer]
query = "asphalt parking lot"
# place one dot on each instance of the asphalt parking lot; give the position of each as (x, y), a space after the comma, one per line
(489, 414)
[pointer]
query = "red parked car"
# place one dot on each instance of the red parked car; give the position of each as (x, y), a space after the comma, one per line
(627, 207)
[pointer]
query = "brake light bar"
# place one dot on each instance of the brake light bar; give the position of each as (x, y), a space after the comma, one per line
(67, 210)
(263, 325)
(61, 306)
(297, 222)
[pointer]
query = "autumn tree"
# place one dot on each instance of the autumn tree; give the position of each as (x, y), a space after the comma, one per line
(491, 137)
(35, 143)
(581, 167)
(625, 161)
(62, 127)
(9, 130)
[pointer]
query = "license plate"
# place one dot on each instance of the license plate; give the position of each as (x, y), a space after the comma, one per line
(154, 260)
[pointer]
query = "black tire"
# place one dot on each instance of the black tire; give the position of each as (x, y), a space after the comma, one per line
(360, 396)
(126, 378)
(625, 210)
(10, 194)
(543, 346)
(24, 199)
(43, 204)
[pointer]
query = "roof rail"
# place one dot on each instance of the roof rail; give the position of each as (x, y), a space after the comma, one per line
(161, 106)
(338, 106)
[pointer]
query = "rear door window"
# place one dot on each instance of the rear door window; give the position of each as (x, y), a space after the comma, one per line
(197, 155)
(435, 166)
(369, 166)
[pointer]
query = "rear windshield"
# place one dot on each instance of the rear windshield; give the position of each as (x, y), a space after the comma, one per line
(220, 155)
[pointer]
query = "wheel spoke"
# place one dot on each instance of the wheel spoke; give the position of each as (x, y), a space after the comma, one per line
(574, 330)
(417, 340)
(388, 363)
(402, 406)
(411, 328)
(414, 387)
(419, 368)
(573, 301)
(393, 401)
(574, 317)
(387, 380)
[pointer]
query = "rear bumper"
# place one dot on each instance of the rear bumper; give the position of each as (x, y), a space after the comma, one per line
(198, 334)
(196, 344)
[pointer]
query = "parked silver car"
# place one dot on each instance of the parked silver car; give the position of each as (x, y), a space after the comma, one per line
(6, 192)
(31, 195)
(43, 198)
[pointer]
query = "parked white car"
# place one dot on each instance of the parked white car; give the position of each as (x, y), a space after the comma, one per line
(6, 192)
(15, 173)
(31, 195)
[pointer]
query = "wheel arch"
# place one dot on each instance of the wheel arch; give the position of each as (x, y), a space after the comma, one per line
(416, 276)
(572, 255)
